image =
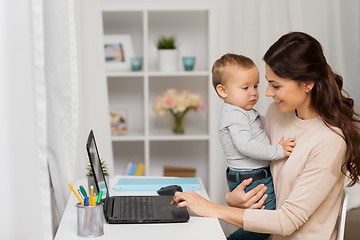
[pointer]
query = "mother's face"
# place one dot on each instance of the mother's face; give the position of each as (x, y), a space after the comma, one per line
(288, 94)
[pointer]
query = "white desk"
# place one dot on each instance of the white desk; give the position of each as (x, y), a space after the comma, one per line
(195, 228)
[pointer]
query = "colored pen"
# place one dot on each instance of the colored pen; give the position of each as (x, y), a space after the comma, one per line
(91, 195)
(86, 201)
(72, 189)
(82, 189)
(91, 191)
(98, 200)
(93, 200)
(80, 194)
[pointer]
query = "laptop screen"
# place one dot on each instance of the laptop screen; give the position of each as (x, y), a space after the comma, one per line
(96, 165)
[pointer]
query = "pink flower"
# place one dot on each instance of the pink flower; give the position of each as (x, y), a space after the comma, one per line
(177, 102)
(168, 101)
(201, 106)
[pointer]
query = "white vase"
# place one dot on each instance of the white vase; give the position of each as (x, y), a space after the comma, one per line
(168, 60)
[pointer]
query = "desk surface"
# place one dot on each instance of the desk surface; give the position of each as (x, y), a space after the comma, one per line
(195, 228)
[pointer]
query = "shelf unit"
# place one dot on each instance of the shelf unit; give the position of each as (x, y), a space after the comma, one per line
(149, 138)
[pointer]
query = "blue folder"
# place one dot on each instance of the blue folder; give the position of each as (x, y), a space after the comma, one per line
(154, 184)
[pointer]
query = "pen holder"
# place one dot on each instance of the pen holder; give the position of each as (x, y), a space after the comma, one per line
(90, 220)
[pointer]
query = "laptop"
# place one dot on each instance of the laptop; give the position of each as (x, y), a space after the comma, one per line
(132, 209)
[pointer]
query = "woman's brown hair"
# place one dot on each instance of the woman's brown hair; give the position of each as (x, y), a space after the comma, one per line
(300, 57)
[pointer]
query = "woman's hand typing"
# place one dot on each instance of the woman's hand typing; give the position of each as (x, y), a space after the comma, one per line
(195, 203)
(202, 207)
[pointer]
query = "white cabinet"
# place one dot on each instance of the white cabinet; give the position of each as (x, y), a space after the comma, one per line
(149, 138)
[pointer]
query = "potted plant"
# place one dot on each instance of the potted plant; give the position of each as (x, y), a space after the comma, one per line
(167, 52)
(90, 174)
(166, 42)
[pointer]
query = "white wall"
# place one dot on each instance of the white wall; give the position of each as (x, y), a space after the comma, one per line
(259, 23)
(93, 103)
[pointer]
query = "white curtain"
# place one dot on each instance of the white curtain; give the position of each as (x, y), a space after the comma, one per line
(38, 104)
(62, 97)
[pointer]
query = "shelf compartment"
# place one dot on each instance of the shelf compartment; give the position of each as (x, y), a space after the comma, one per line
(195, 122)
(190, 28)
(128, 93)
(193, 154)
(126, 22)
(123, 152)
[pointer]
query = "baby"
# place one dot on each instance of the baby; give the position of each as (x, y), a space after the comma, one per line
(245, 144)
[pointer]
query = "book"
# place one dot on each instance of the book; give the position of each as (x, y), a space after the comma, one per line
(132, 169)
(128, 167)
(140, 169)
(154, 184)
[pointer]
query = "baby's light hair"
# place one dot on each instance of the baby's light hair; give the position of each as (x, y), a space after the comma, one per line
(228, 59)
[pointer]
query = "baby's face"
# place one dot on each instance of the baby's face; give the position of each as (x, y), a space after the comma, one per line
(241, 86)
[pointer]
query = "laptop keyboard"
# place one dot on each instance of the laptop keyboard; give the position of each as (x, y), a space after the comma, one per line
(136, 207)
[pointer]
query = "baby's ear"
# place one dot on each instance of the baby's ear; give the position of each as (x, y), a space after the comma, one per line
(221, 90)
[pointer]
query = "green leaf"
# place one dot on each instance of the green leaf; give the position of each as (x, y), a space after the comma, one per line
(166, 42)
(103, 166)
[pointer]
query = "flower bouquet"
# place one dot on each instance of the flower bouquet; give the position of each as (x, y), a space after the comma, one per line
(178, 104)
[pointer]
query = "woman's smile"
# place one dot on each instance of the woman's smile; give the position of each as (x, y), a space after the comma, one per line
(277, 102)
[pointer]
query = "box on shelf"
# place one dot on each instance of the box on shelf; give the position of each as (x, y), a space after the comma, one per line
(170, 171)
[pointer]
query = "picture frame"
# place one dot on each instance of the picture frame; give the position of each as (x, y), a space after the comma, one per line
(118, 121)
(118, 50)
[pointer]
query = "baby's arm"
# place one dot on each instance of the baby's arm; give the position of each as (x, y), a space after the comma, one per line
(240, 130)
(287, 146)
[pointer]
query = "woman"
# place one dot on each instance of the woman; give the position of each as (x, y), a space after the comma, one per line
(311, 106)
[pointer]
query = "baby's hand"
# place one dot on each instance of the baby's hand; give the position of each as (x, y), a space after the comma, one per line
(287, 146)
